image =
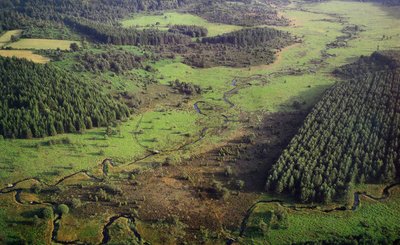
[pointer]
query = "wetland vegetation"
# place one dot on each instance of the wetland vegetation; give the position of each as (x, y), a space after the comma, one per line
(199, 122)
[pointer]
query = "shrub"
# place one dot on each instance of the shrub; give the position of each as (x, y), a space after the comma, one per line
(36, 220)
(76, 203)
(63, 209)
(47, 213)
(240, 184)
(228, 171)
(36, 189)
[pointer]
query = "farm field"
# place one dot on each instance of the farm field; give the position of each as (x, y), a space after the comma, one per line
(6, 37)
(191, 160)
(25, 43)
(27, 54)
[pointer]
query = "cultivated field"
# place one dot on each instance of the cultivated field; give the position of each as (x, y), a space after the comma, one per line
(6, 37)
(41, 44)
(27, 54)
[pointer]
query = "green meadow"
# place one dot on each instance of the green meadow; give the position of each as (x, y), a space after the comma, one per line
(53, 157)
(32, 43)
(6, 37)
(26, 54)
(282, 91)
(374, 219)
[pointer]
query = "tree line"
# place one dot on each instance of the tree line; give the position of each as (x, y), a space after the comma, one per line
(105, 11)
(351, 136)
(124, 36)
(243, 13)
(249, 37)
(189, 30)
(42, 100)
(242, 48)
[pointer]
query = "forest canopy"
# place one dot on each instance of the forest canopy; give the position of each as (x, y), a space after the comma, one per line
(42, 100)
(351, 136)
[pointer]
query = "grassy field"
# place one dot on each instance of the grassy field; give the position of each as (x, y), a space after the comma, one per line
(282, 91)
(25, 43)
(27, 54)
(6, 37)
(376, 20)
(16, 223)
(50, 161)
(173, 18)
(167, 130)
(374, 219)
(88, 231)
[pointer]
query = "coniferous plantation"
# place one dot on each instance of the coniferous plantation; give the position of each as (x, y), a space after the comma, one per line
(191, 31)
(199, 122)
(113, 60)
(41, 100)
(352, 136)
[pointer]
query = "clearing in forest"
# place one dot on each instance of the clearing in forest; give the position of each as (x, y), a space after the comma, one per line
(6, 37)
(162, 21)
(27, 54)
(41, 44)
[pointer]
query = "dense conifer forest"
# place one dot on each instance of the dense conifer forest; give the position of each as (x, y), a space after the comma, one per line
(16, 14)
(191, 31)
(41, 100)
(249, 37)
(237, 49)
(237, 13)
(113, 60)
(123, 36)
(351, 136)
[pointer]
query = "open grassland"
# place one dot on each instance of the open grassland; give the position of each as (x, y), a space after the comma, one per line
(282, 91)
(26, 54)
(279, 92)
(26, 43)
(166, 131)
(162, 22)
(218, 78)
(16, 223)
(53, 157)
(376, 219)
(381, 25)
(6, 37)
(89, 231)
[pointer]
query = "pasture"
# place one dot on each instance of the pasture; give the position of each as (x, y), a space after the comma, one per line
(26, 43)
(25, 54)
(6, 37)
